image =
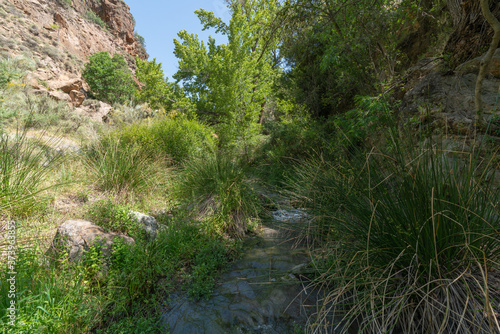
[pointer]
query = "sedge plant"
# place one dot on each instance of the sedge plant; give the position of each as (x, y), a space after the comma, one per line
(408, 241)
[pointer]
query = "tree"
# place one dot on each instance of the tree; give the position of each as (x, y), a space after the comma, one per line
(155, 90)
(109, 79)
(337, 49)
(485, 63)
(471, 32)
(229, 83)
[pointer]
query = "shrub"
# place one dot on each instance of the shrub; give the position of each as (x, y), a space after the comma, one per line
(109, 79)
(12, 69)
(179, 138)
(112, 217)
(411, 236)
(93, 17)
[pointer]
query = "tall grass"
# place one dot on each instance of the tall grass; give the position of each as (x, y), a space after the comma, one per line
(123, 168)
(411, 237)
(24, 168)
(217, 184)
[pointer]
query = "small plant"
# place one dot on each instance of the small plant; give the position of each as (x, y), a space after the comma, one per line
(114, 218)
(93, 17)
(65, 3)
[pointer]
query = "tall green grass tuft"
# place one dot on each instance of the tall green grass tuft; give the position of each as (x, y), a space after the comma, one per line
(122, 168)
(217, 185)
(410, 238)
(24, 169)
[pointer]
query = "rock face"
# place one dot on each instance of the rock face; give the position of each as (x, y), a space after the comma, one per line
(73, 237)
(447, 100)
(60, 35)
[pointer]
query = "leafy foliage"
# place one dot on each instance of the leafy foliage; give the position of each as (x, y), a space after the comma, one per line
(230, 83)
(114, 218)
(178, 138)
(109, 79)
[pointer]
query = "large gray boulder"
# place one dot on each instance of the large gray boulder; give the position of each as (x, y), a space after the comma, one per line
(75, 236)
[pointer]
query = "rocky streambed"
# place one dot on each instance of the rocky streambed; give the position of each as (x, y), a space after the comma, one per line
(263, 292)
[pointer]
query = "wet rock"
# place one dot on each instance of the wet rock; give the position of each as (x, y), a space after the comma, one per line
(258, 294)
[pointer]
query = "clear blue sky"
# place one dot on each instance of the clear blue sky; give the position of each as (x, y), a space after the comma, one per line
(159, 21)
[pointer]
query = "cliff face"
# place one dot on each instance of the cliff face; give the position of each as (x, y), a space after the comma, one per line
(60, 35)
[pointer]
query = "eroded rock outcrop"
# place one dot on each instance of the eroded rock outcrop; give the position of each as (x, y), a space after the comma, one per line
(61, 35)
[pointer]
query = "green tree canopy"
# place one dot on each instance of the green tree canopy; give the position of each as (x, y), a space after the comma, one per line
(229, 83)
(109, 79)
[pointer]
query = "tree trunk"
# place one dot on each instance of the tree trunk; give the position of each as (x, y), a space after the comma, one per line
(485, 62)
(471, 34)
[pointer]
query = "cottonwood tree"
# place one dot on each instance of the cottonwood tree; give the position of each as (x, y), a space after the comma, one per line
(229, 83)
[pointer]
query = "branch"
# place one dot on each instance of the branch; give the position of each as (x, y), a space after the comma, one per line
(486, 61)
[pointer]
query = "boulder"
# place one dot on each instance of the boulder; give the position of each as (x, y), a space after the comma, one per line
(77, 97)
(95, 110)
(148, 223)
(59, 96)
(66, 86)
(75, 236)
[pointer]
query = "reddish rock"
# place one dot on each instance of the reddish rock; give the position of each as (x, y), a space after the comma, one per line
(77, 97)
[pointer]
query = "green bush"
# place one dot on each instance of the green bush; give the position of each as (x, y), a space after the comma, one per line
(114, 218)
(178, 138)
(410, 234)
(109, 79)
(14, 68)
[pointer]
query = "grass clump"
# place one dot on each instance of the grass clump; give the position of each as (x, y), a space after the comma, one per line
(411, 236)
(217, 185)
(24, 168)
(122, 168)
